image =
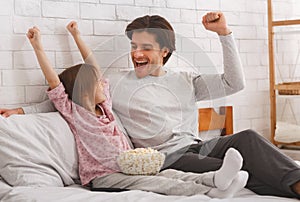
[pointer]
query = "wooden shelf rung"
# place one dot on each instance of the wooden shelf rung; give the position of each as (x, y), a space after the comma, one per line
(288, 86)
(286, 22)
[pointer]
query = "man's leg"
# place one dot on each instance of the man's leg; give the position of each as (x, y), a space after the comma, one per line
(264, 161)
(223, 177)
(192, 161)
(271, 172)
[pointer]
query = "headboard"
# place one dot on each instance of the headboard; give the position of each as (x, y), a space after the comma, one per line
(209, 119)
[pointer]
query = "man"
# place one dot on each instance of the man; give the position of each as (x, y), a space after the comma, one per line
(157, 108)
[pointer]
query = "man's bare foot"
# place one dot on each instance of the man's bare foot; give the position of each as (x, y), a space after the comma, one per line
(296, 187)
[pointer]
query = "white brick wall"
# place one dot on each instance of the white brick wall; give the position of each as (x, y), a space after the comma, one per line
(28, 7)
(126, 2)
(102, 23)
(189, 4)
(212, 6)
(5, 60)
(109, 27)
(60, 9)
(232, 5)
(6, 7)
(173, 15)
(131, 12)
(143, 2)
(12, 95)
(98, 11)
(6, 25)
(22, 77)
(27, 59)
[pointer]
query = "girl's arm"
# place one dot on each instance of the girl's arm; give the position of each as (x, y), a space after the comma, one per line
(34, 37)
(85, 51)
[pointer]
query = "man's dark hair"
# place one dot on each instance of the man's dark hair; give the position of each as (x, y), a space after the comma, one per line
(159, 27)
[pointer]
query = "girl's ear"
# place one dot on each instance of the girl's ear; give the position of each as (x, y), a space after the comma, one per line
(165, 51)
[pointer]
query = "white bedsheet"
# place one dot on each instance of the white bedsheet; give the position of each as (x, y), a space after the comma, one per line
(76, 193)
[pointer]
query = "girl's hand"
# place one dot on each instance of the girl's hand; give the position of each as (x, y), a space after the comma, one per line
(216, 22)
(34, 36)
(72, 27)
(9, 112)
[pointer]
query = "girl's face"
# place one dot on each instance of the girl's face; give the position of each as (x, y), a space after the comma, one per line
(99, 92)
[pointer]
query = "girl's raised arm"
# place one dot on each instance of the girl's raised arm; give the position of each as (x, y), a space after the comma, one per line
(85, 51)
(34, 37)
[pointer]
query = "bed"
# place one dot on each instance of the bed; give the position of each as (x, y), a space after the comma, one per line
(39, 163)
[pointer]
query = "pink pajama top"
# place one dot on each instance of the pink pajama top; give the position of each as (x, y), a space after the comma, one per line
(98, 139)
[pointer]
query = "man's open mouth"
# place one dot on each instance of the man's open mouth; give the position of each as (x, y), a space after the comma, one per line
(140, 64)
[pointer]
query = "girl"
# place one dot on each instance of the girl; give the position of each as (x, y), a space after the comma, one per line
(82, 97)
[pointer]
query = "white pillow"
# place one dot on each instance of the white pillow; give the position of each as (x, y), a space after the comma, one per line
(37, 150)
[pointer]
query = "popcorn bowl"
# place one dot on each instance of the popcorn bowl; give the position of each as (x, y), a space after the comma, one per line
(141, 161)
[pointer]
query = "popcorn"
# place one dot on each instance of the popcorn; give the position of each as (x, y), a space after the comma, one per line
(141, 161)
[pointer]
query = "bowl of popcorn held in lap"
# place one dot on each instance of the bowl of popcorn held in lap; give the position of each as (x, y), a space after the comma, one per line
(141, 161)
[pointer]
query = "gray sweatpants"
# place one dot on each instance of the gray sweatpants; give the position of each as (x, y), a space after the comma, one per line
(168, 182)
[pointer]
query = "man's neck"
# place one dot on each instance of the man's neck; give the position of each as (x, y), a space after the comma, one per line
(158, 72)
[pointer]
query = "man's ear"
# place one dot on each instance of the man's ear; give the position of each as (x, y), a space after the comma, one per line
(165, 51)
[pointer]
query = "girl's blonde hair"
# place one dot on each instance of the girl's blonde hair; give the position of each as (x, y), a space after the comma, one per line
(80, 83)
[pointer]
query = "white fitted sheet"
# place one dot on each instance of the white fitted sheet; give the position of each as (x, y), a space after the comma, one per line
(76, 193)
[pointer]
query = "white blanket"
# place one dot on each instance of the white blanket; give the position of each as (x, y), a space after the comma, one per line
(287, 132)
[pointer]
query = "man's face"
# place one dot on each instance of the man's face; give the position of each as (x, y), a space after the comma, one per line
(146, 55)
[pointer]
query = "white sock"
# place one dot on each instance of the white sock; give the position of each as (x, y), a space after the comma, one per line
(238, 183)
(232, 163)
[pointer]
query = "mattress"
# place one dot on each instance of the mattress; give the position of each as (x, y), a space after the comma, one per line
(76, 193)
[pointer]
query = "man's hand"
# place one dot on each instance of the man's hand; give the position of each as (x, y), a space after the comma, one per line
(216, 22)
(72, 27)
(8, 112)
